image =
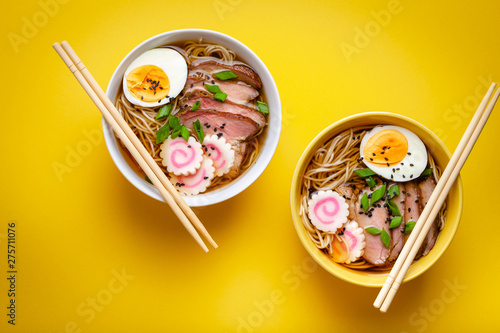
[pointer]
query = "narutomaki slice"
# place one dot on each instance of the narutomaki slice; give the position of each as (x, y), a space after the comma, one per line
(197, 182)
(328, 210)
(181, 157)
(220, 152)
(349, 243)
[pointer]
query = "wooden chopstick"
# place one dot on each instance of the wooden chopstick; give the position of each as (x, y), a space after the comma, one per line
(135, 147)
(436, 200)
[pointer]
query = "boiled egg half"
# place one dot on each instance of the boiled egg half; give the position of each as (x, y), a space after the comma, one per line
(155, 77)
(394, 153)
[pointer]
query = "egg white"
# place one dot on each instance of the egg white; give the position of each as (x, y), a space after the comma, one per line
(403, 172)
(171, 62)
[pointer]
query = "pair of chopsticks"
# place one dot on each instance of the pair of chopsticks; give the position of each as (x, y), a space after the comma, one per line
(450, 174)
(134, 146)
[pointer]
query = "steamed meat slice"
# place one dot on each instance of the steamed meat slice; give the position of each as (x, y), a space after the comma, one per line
(346, 191)
(426, 187)
(412, 208)
(232, 127)
(397, 234)
(209, 66)
(375, 251)
(208, 103)
(237, 92)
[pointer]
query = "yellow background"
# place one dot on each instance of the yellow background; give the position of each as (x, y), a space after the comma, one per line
(77, 232)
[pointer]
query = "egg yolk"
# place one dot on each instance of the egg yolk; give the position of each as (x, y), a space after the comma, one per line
(386, 148)
(148, 83)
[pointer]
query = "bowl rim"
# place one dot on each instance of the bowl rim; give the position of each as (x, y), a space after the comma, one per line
(328, 264)
(271, 137)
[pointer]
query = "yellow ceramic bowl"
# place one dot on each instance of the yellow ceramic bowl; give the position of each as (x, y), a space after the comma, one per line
(441, 155)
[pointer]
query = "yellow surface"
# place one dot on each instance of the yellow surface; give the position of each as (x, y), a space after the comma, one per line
(96, 255)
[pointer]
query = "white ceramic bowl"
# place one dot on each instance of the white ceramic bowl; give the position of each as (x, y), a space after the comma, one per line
(270, 136)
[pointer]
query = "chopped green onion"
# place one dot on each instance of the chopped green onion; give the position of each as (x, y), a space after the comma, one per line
(409, 227)
(199, 130)
(225, 75)
(214, 89)
(176, 133)
(426, 173)
(262, 107)
(393, 191)
(162, 133)
(394, 208)
(164, 111)
(195, 106)
(386, 239)
(364, 202)
(395, 222)
(148, 180)
(220, 96)
(173, 121)
(377, 194)
(373, 230)
(370, 182)
(363, 173)
(185, 132)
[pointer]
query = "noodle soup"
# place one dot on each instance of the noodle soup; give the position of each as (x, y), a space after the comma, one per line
(257, 115)
(358, 190)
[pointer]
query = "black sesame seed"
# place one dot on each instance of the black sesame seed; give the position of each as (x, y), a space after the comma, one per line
(371, 159)
(411, 164)
(373, 154)
(392, 177)
(402, 163)
(213, 82)
(409, 209)
(388, 164)
(189, 146)
(219, 134)
(382, 152)
(212, 148)
(409, 153)
(385, 158)
(359, 137)
(411, 176)
(215, 129)
(404, 176)
(404, 192)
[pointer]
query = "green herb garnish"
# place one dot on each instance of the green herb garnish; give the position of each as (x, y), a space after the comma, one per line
(409, 227)
(195, 106)
(173, 121)
(426, 173)
(394, 208)
(164, 111)
(214, 89)
(148, 180)
(364, 202)
(262, 107)
(373, 230)
(199, 130)
(185, 132)
(162, 133)
(363, 173)
(225, 75)
(377, 194)
(395, 222)
(220, 96)
(386, 239)
(371, 183)
(393, 191)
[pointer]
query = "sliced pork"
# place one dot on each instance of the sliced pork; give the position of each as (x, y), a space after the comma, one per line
(233, 127)
(347, 192)
(209, 66)
(208, 103)
(237, 92)
(397, 234)
(377, 216)
(426, 187)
